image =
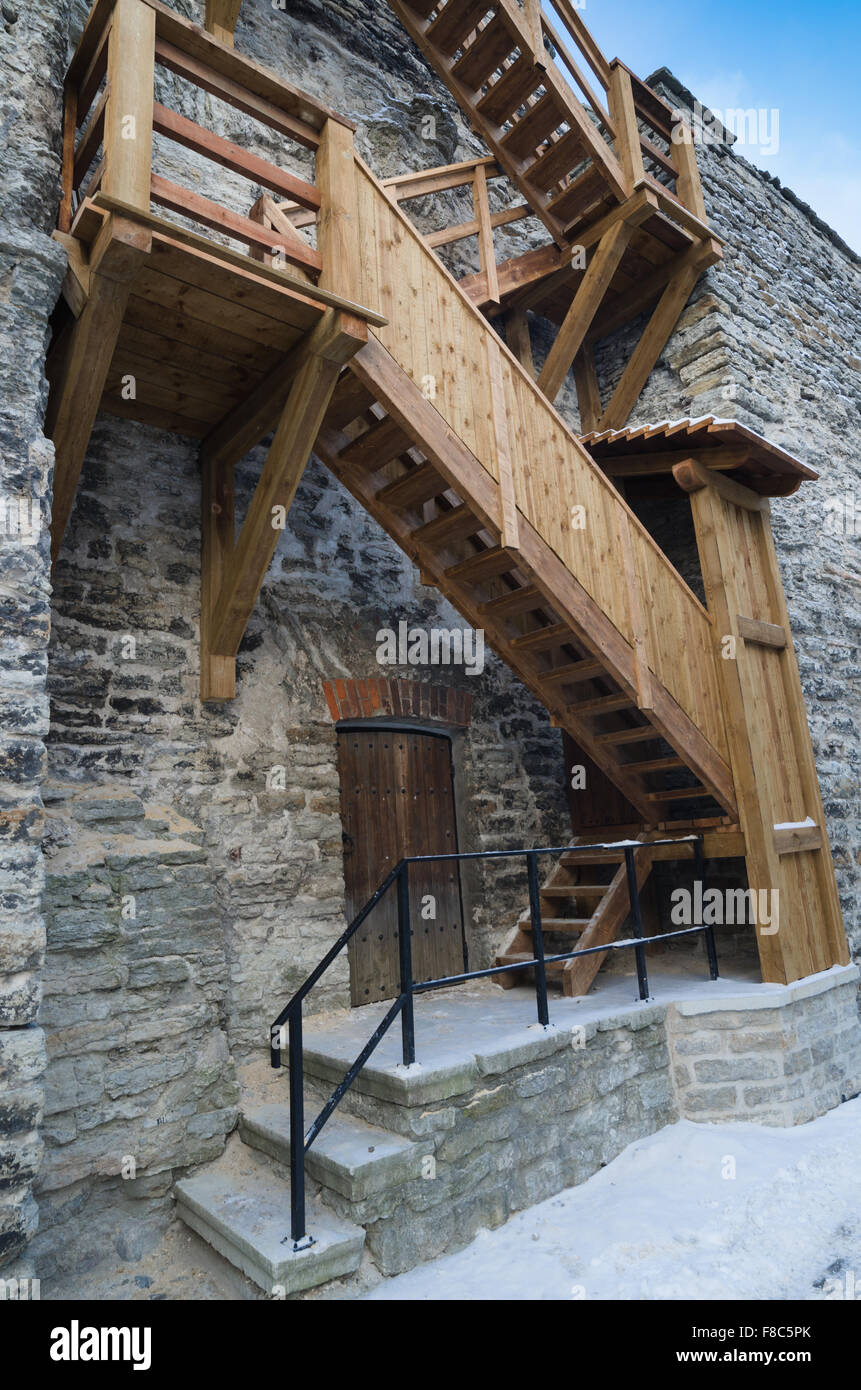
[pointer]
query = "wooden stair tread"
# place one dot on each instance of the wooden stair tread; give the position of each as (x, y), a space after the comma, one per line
(377, 446)
(457, 524)
(637, 735)
(679, 794)
(419, 485)
(454, 24)
(604, 704)
(533, 129)
(573, 673)
(485, 564)
(543, 638)
(521, 600)
(515, 957)
(671, 764)
(557, 923)
(509, 91)
(572, 890)
(560, 159)
(485, 54)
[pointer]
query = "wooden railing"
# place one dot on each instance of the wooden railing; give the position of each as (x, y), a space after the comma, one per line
(110, 100)
(498, 412)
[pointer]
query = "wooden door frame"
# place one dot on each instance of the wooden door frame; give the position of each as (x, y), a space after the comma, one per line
(383, 724)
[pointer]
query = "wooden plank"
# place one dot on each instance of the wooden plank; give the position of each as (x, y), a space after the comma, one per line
(403, 187)
(584, 306)
(797, 839)
(194, 137)
(688, 185)
(91, 139)
(301, 419)
(75, 396)
(649, 349)
(217, 513)
(76, 282)
(128, 115)
(335, 339)
(765, 634)
(233, 224)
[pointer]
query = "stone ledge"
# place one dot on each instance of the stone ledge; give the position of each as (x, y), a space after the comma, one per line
(773, 996)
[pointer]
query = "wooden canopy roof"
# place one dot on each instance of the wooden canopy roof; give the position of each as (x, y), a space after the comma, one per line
(649, 450)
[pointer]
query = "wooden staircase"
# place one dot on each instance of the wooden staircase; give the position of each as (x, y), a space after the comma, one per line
(584, 903)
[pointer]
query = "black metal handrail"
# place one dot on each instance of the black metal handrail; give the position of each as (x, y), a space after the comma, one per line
(291, 1014)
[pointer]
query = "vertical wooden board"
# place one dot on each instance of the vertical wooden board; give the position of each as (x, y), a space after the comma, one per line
(129, 112)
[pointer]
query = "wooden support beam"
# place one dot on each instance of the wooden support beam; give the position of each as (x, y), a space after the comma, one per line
(336, 337)
(518, 338)
(649, 349)
(688, 185)
(796, 839)
(486, 253)
(338, 218)
(300, 422)
(760, 633)
(128, 115)
(77, 390)
(721, 458)
(221, 17)
(588, 391)
(692, 476)
(584, 307)
(217, 524)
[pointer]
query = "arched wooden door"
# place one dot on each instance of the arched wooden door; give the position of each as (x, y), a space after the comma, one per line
(397, 799)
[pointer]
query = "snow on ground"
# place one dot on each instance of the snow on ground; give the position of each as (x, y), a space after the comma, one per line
(665, 1220)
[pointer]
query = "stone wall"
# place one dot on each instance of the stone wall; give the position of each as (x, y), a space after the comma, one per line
(776, 1059)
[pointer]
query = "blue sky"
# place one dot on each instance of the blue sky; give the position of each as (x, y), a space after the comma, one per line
(802, 59)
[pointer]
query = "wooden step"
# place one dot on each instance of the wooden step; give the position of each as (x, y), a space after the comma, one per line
(573, 890)
(419, 485)
(524, 599)
(563, 156)
(656, 765)
(423, 8)
(640, 734)
(544, 639)
(484, 55)
(510, 91)
(514, 957)
(604, 704)
(377, 446)
(457, 524)
(455, 23)
(580, 195)
(485, 564)
(679, 794)
(573, 673)
(572, 924)
(534, 128)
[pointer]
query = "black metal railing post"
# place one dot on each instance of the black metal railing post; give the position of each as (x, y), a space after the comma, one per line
(709, 932)
(636, 920)
(537, 937)
(405, 951)
(297, 1130)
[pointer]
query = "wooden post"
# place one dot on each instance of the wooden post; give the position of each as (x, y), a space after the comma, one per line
(518, 338)
(584, 306)
(338, 218)
(70, 125)
(217, 672)
(486, 252)
(128, 116)
(688, 186)
(221, 17)
(621, 99)
(588, 391)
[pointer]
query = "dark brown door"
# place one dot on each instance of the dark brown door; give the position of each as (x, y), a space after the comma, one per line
(397, 799)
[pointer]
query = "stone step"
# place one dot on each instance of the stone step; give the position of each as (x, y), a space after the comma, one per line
(352, 1158)
(244, 1214)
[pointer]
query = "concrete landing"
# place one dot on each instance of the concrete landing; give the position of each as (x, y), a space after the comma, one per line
(242, 1208)
(349, 1156)
(466, 1033)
